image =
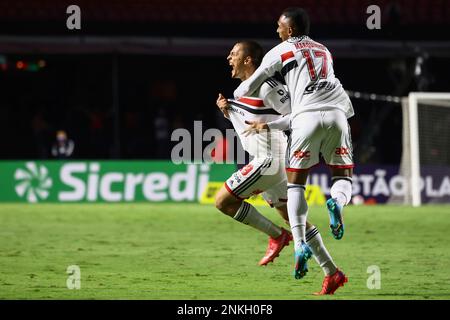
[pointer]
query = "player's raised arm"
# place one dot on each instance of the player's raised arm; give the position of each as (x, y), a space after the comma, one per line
(270, 64)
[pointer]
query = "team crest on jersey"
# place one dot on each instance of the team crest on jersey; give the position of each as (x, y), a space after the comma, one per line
(245, 170)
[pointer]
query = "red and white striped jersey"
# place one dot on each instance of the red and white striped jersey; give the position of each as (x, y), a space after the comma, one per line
(307, 67)
(269, 102)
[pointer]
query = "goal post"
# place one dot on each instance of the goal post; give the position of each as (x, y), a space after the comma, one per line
(426, 138)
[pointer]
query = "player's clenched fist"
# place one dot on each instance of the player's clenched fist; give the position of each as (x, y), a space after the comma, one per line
(222, 103)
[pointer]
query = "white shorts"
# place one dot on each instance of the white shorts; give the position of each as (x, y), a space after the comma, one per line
(266, 176)
(325, 132)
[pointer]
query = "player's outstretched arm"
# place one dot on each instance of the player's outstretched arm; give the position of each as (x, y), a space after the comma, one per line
(254, 127)
(269, 65)
(282, 123)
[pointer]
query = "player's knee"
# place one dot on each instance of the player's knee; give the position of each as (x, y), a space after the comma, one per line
(341, 189)
(227, 205)
(297, 177)
(220, 204)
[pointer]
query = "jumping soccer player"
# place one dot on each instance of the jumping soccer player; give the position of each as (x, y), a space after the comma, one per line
(269, 103)
(320, 108)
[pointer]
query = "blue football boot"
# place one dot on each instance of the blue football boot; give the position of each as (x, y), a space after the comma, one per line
(301, 257)
(336, 220)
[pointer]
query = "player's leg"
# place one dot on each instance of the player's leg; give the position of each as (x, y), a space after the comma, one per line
(240, 186)
(275, 245)
(298, 212)
(227, 203)
(276, 197)
(337, 151)
(296, 205)
(341, 188)
(320, 252)
(245, 213)
(303, 153)
(283, 212)
(315, 242)
(334, 278)
(340, 192)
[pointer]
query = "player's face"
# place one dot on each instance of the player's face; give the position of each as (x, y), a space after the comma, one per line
(283, 29)
(236, 61)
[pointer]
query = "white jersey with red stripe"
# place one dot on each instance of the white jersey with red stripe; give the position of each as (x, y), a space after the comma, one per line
(307, 67)
(269, 102)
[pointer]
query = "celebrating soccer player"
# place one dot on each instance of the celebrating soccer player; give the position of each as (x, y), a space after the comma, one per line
(269, 103)
(320, 108)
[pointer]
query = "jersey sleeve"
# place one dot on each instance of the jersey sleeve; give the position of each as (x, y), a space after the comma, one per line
(270, 64)
(282, 123)
(276, 96)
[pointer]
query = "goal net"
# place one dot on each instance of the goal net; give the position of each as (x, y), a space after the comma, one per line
(425, 163)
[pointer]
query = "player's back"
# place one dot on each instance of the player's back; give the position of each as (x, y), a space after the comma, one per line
(307, 67)
(270, 102)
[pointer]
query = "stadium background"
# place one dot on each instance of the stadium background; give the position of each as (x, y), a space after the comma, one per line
(137, 70)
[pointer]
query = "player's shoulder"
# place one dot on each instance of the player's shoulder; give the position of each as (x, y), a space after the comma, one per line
(305, 42)
(278, 49)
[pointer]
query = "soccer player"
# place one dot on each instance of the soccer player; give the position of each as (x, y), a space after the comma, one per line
(320, 108)
(266, 172)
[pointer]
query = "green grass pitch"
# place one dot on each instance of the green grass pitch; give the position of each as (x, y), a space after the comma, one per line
(190, 251)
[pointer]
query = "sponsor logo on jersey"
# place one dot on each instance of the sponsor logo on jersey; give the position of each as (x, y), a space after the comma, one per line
(341, 151)
(245, 170)
(283, 99)
(321, 85)
(236, 110)
(299, 154)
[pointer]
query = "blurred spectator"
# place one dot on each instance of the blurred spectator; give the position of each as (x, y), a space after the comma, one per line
(63, 146)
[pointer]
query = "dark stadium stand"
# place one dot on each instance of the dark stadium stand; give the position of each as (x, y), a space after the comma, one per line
(105, 80)
(219, 17)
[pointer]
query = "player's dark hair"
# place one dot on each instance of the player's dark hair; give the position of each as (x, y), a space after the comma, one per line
(298, 19)
(253, 50)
